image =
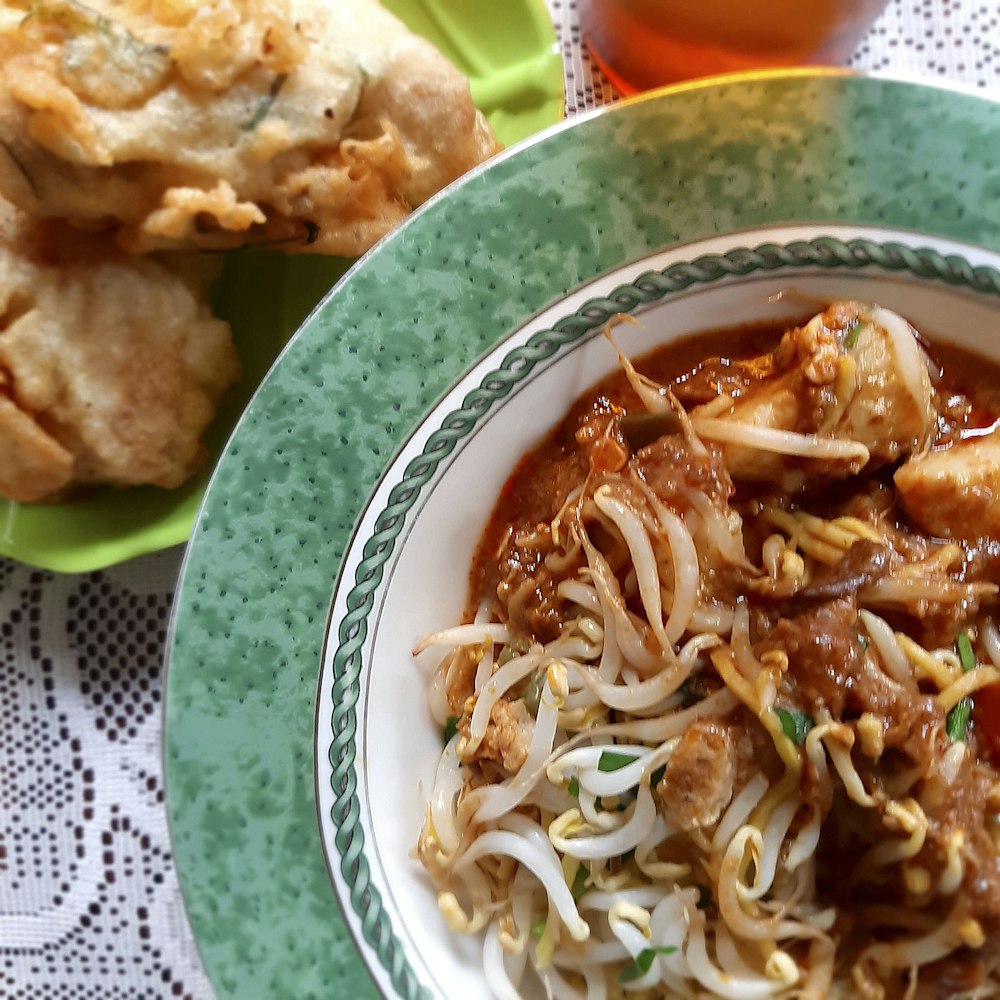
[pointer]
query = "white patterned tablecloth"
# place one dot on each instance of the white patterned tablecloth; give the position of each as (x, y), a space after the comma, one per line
(89, 901)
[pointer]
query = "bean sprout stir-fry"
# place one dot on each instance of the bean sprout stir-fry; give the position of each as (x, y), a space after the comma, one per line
(720, 722)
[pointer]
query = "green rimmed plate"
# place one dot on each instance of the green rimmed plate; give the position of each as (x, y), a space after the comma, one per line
(516, 76)
(405, 573)
(717, 159)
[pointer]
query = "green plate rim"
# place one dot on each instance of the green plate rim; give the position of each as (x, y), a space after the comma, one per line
(520, 88)
(247, 629)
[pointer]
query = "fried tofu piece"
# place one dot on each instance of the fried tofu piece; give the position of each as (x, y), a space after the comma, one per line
(111, 367)
(306, 125)
(507, 739)
(954, 492)
(699, 777)
(854, 374)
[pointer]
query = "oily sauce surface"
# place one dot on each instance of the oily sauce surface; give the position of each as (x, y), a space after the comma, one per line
(697, 368)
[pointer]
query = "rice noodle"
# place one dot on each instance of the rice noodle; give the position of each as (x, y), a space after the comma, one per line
(893, 658)
(780, 441)
(448, 783)
(739, 810)
(918, 951)
(991, 640)
(506, 677)
(525, 841)
(907, 355)
(721, 983)
(495, 961)
(772, 840)
(966, 685)
(474, 634)
(643, 559)
(614, 842)
(493, 801)
(684, 558)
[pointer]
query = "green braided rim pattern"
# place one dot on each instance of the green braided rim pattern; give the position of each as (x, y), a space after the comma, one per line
(824, 252)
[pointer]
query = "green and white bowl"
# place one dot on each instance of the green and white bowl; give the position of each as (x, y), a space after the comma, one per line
(475, 323)
(407, 568)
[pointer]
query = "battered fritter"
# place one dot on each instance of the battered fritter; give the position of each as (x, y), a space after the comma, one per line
(111, 366)
(305, 125)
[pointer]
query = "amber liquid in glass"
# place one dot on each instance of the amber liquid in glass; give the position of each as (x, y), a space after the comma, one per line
(647, 43)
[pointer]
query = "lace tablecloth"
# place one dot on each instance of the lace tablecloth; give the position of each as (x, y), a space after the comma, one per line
(89, 900)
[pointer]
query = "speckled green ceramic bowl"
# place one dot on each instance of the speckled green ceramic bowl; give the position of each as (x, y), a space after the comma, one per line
(729, 159)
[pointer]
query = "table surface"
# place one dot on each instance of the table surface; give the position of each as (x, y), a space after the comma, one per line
(89, 901)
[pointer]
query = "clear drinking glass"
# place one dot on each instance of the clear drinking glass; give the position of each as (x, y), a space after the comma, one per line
(647, 43)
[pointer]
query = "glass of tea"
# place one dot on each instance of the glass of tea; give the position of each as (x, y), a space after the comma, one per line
(647, 43)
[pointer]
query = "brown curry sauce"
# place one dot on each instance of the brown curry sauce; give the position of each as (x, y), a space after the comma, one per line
(967, 396)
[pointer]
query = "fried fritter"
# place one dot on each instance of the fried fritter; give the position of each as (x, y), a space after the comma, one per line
(110, 366)
(306, 125)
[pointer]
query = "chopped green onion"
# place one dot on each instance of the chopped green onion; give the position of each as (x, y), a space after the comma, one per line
(643, 962)
(957, 723)
(533, 692)
(610, 760)
(266, 103)
(794, 724)
(450, 728)
(965, 654)
(538, 928)
(579, 886)
(574, 787)
(852, 335)
(958, 720)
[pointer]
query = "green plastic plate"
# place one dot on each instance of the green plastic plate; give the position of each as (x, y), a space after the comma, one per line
(508, 51)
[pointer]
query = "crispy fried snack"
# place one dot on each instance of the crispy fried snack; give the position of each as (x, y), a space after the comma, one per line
(110, 366)
(309, 125)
